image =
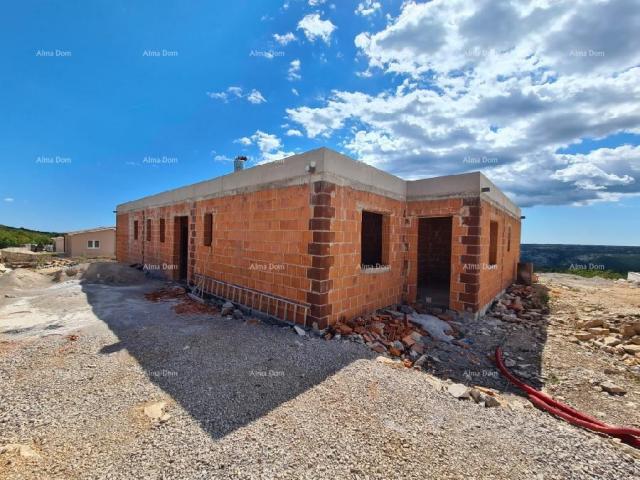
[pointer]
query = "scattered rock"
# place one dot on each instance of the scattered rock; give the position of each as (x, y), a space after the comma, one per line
(612, 388)
(25, 451)
(155, 411)
(599, 331)
(628, 330)
(390, 362)
(611, 341)
(420, 362)
(227, 309)
(595, 322)
(632, 349)
(584, 336)
(490, 401)
(299, 330)
(459, 391)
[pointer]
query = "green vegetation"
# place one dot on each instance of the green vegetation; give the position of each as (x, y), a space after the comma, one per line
(585, 260)
(16, 237)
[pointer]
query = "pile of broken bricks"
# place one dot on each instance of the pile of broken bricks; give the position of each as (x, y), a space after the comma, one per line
(187, 305)
(401, 333)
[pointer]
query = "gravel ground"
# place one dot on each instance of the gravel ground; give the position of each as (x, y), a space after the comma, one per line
(249, 400)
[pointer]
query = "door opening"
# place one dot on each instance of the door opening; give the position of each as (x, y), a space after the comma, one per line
(181, 246)
(434, 261)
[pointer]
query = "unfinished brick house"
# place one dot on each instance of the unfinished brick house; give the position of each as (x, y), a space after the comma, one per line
(318, 237)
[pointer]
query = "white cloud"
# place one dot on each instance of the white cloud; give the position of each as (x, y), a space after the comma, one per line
(294, 70)
(269, 145)
(218, 96)
(232, 92)
(284, 39)
(222, 158)
(8, 200)
(315, 3)
(367, 7)
(508, 84)
(314, 27)
(237, 91)
(292, 132)
(255, 97)
(295, 92)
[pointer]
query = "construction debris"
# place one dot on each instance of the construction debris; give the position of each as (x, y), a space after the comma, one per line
(392, 332)
(18, 257)
(519, 304)
(186, 306)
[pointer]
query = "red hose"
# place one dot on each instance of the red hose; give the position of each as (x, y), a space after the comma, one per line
(544, 402)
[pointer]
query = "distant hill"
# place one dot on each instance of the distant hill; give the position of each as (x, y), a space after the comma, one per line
(581, 259)
(15, 237)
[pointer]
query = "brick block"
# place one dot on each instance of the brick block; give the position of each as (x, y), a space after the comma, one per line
(323, 211)
(321, 199)
(319, 248)
(324, 187)
(322, 261)
(320, 224)
(318, 273)
(324, 237)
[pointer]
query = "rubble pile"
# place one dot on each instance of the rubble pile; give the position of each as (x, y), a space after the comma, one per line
(618, 335)
(399, 333)
(519, 304)
(187, 305)
(22, 258)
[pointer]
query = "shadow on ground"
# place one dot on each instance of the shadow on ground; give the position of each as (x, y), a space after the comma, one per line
(225, 373)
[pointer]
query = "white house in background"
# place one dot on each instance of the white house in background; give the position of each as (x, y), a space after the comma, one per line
(95, 242)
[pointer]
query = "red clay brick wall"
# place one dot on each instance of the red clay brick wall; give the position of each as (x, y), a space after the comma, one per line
(122, 238)
(160, 257)
(354, 291)
(495, 279)
(461, 226)
(303, 243)
(260, 240)
(155, 255)
(129, 250)
(473, 282)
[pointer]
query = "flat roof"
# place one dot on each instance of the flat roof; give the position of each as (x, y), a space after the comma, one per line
(329, 165)
(90, 230)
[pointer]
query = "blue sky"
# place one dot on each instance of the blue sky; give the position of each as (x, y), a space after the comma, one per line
(416, 89)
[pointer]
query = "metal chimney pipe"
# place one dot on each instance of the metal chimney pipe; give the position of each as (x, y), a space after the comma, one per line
(238, 163)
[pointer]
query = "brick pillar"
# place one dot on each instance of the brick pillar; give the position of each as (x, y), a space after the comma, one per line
(320, 251)
(470, 276)
(191, 264)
